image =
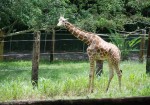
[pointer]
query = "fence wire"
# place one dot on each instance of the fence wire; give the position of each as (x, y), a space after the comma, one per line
(63, 44)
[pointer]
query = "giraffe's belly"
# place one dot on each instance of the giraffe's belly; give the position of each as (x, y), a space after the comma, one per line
(99, 56)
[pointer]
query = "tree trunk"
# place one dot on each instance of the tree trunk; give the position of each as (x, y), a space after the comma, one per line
(142, 44)
(1, 45)
(35, 58)
(52, 50)
(148, 55)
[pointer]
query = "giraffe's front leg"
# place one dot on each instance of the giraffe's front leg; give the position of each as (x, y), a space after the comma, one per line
(91, 75)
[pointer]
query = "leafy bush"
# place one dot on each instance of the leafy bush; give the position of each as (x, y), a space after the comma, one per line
(87, 22)
(124, 44)
(138, 4)
(110, 6)
(103, 22)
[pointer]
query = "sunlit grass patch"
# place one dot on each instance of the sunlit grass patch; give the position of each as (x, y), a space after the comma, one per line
(61, 80)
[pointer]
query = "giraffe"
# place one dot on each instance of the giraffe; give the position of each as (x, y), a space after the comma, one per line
(98, 49)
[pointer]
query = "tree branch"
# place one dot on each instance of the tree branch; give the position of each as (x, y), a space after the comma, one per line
(17, 33)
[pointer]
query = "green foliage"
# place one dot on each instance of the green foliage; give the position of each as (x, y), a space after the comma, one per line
(138, 5)
(99, 14)
(93, 13)
(5, 13)
(132, 43)
(87, 22)
(124, 44)
(105, 23)
(34, 13)
(140, 18)
(110, 6)
(99, 6)
(38, 14)
(26, 12)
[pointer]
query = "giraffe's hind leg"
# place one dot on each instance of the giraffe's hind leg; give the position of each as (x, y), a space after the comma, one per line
(111, 74)
(119, 74)
(91, 75)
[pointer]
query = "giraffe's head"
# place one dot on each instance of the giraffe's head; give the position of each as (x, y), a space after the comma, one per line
(61, 21)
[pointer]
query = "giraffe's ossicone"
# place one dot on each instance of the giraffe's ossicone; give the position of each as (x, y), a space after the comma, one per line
(98, 49)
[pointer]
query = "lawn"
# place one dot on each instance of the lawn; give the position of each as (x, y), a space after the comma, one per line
(69, 80)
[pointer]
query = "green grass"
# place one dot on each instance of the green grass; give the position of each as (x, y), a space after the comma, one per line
(69, 80)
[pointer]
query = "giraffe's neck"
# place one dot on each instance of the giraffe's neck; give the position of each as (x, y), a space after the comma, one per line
(84, 36)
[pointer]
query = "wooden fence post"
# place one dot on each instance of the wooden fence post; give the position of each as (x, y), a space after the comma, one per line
(35, 58)
(142, 44)
(148, 55)
(52, 50)
(1, 45)
(99, 67)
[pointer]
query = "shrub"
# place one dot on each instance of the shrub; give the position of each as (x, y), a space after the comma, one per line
(124, 44)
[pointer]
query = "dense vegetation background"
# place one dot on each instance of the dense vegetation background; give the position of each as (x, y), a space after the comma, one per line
(98, 16)
(92, 15)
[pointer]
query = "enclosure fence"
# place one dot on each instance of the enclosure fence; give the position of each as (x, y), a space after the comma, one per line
(37, 44)
(66, 45)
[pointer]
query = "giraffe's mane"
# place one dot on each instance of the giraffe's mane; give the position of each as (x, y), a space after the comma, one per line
(84, 30)
(79, 28)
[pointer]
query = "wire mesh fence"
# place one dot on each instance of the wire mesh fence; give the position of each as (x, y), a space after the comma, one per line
(66, 45)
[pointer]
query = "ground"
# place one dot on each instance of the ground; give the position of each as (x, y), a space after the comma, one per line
(69, 80)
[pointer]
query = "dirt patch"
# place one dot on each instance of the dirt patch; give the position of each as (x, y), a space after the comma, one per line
(57, 56)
